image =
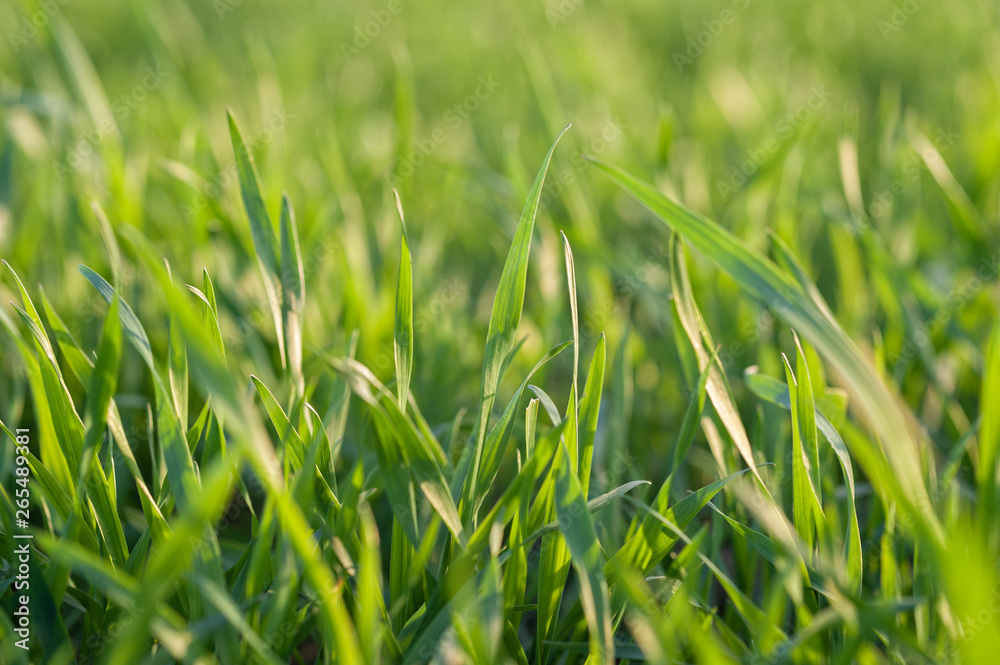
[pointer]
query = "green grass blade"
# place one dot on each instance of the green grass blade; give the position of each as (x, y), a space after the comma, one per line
(497, 439)
(504, 320)
(805, 503)
(590, 406)
(773, 287)
(404, 453)
(293, 293)
(651, 544)
(177, 372)
(92, 478)
(988, 470)
(78, 362)
(265, 243)
(403, 338)
(807, 421)
(717, 385)
(777, 393)
(581, 539)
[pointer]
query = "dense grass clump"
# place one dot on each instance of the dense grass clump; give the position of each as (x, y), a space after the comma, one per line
(710, 376)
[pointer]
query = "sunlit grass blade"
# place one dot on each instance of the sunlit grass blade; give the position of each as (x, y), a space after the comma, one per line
(210, 310)
(581, 539)
(777, 393)
(499, 435)
(265, 242)
(293, 293)
(806, 509)
(78, 362)
(177, 373)
(403, 338)
(504, 320)
(651, 543)
(757, 621)
(590, 406)
(717, 385)
(180, 466)
(762, 279)
(91, 478)
(988, 470)
(515, 577)
(593, 506)
(404, 453)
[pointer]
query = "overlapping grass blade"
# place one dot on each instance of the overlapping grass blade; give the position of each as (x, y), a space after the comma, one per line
(504, 320)
(777, 393)
(265, 242)
(293, 293)
(717, 385)
(403, 338)
(773, 287)
(577, 528)
(988, 471)
(806, 510)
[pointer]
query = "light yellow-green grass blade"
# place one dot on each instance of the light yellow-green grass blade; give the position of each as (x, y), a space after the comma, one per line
(293, 293)
(577, 528)
(777, 393)
(403, 338)
(806, 508)
(590, 406)
(988, 470)
(265, 242)
(698, 336)
(777, 290)
(504, 320)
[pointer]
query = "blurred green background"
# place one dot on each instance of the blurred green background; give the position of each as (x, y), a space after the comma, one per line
(747, 111)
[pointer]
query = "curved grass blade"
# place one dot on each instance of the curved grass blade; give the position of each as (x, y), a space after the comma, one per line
(776, 393)
(504, 320)
(988, 470)
(590, 407)
(497, 439)
(403, 338)
(265, 244)
(404, 453)
(593, 506)
(717, 385)
(775, 288)
(651, 544)
(293, 293)
(806, 509)
(578, 530)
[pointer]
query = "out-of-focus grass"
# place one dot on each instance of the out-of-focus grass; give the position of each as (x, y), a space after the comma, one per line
(838, 169)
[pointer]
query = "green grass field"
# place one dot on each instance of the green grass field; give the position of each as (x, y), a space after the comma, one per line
(551, 333)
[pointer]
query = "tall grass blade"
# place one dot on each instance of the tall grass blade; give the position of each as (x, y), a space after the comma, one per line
(504, 320)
